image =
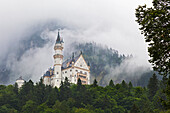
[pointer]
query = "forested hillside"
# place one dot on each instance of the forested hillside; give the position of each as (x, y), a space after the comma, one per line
(106, 61)
(72, 98)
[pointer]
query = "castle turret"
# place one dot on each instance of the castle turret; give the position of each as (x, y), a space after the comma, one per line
(20, 82)
(58, 59)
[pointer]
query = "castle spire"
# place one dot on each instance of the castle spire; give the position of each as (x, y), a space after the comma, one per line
(58, 37)
(73, 57)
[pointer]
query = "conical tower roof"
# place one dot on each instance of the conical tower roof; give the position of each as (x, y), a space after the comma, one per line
(58, 38)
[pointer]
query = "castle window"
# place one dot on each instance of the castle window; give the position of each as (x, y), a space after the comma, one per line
(80, 65)
(83, 81)
(76, 70)
(82, 76)
(65, 71)
(70, 70)
(57, 72)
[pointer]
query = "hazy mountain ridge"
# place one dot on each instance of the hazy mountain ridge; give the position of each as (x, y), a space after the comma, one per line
(106, 63)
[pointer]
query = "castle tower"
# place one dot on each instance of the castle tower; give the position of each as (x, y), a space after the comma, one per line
(58, 60)
(20, 82)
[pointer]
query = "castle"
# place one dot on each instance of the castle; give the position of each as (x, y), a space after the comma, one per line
(73, 68)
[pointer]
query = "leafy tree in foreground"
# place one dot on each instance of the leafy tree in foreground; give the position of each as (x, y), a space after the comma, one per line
(154, 24)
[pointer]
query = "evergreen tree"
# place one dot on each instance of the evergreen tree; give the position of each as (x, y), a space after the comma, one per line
(52, 97)
(135, 109)
(95, 83)
(26, 93)
(111, 84)
(16, 88)
(152, 86)
(39, 92)
(65, 91)
(124, 85)
(130, 85)
(29, 107)
(167, 92)
(79, 84)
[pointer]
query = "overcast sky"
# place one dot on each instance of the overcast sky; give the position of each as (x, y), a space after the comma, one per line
(109, 22)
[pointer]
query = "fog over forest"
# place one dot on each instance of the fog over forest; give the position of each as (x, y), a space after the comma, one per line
(28, 31)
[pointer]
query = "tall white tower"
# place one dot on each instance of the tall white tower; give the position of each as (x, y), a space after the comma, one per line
(58, 60)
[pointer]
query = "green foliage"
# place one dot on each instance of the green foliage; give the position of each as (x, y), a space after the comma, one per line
(111, 84)
(29, 107)
(152, 86)
(134, 109)
(154, 24)
(130, 85)
(124, 85)
(82, 110)
(78, 98)
(65, 91)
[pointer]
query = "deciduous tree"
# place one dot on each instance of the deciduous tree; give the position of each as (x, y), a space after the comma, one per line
(155, 26)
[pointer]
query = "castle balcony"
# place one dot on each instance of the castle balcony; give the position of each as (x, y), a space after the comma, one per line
(57, 56)
(58, 47)
(82, 77)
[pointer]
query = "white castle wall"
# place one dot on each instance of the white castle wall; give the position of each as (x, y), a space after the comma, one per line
(20, 83)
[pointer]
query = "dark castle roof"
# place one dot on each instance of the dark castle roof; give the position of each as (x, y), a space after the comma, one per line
(20, 78)
(69, 61)
(59, 39)
(48, 72)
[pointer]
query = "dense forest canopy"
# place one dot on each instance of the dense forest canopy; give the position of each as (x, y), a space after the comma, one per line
(78, 98)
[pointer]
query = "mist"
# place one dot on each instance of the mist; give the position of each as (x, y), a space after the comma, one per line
(110, 23)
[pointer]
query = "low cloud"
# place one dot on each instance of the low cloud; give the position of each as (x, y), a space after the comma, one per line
(130, 69)
(110, 23)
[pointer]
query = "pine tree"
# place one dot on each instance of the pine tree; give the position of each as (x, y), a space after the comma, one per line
(135, 109)
(152, 86)
(130, 85)
(65, 91)
(79, 84)
(16, 88)
(111, 84)
(124, 85)
(95, 83)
